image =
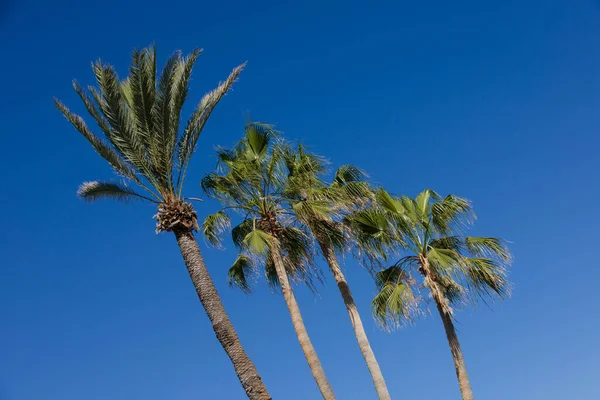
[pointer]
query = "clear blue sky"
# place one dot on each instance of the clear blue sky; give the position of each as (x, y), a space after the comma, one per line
(495, 101)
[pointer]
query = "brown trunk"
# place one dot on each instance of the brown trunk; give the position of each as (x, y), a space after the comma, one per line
(207, 293)
(307, 347)
(446, 315)
(359, 330)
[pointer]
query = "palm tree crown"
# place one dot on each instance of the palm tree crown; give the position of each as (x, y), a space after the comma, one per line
(251, 180)
(139, 117)
(321, 206)
(461, 269)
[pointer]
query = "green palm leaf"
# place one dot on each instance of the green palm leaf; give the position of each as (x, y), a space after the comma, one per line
(349, 174)
(214, 225)
(257, 242)
(239, 271)
(487, 277)
(191, 133)
(395, 302)
(92, 191)
(488, 247)
(121, 166)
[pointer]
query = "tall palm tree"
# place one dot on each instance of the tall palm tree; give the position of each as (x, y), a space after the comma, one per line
(251, 181)
(140, 119)
(456, 269)
(321, 207)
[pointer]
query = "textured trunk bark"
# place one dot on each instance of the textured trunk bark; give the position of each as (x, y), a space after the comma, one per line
(307, 347)
(359, 330)
(446, 315)
(207, 293)
(457, 355)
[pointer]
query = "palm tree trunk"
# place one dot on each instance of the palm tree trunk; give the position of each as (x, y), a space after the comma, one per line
(446, 314)
(359, 330)
(307, 347)
(207, 293)
(459, 361)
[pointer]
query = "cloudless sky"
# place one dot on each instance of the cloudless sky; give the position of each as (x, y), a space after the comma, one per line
(494, 101)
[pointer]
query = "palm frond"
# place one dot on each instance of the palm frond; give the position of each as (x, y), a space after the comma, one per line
(445, 262)
(455, 243)
(171, 94)
(331, 233)
(187, 143)
(271, 273)
(257, 242)
(451, 213)
(356, 195)
(113, 106)
(488, 247)
(92, 191)
(297, 253)
(387, 202)
(372, 235)
(348, 174)
(395, 302)
(239, 272)
(311, 210)
(422, 202)
(141, 96)
(214, 225)
(487, 278)
(121, 166)
(92, 100)
(240, 231)
(258, 137)
(303, 164)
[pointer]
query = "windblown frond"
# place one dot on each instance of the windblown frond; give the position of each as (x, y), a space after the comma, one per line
(487, 277)
(239, 271)
(193, 129)
(386, 202)
(348, 174)
(92, 191)
(214, 225)
(309, 210)
(451, 213)
(121, 166)
(488, 247)
(240, 231)
(124, 135)
(373, 233)
(395, 302)
(455, 243)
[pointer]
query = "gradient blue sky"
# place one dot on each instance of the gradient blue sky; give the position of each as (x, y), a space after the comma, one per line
(494, 101)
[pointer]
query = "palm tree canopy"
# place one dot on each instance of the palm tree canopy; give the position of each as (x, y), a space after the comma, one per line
(139, 116)
(278, 188)
(321, 206)
(430, 229)
(251, 179)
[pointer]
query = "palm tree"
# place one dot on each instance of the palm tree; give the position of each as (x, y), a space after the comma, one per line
(251, 181)
(140, 119)
(321, 207)
(457, 269)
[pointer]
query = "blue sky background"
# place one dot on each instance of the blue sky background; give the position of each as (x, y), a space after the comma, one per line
(494, 101)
